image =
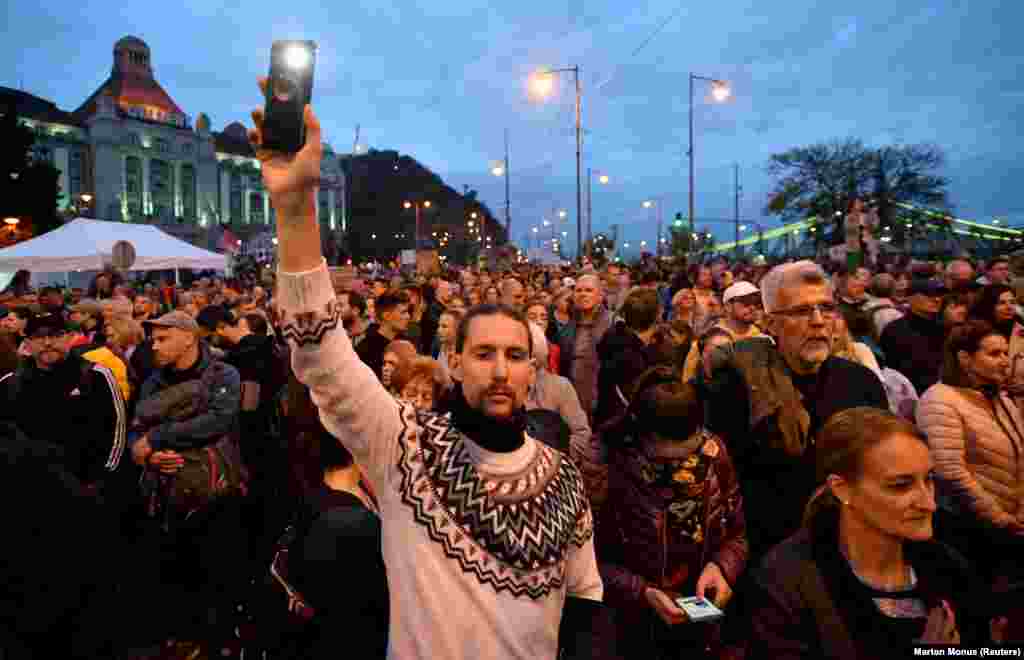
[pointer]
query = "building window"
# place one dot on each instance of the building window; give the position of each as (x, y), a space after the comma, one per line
(42, 155)
(188, 192)
(325, 208)
(160, 144)
(75, 168)
(236, 197)
(133, 185)
(161, 188)
(132, 140)
(186, 148)
(256, 216)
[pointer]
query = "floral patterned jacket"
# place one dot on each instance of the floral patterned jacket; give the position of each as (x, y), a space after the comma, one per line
(673, 507)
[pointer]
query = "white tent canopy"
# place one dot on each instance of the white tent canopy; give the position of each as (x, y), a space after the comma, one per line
(84, 244)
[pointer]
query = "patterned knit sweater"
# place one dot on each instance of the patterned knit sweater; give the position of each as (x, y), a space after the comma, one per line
(481, 548)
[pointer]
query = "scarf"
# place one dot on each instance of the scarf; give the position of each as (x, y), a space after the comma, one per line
(497, 435)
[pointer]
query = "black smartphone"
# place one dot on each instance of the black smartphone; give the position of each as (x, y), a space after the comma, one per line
(289, 90)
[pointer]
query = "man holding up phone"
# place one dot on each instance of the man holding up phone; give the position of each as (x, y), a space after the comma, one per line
(487, 533)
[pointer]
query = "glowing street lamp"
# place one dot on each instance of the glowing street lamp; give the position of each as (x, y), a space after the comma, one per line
(541, 85)
(603, 179)
(720, 91)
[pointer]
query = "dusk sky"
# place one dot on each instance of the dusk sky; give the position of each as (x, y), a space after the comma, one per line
(442, 82)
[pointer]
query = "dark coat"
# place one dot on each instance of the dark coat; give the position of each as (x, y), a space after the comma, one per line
(913, 347)
(808, 603)
(76, 405)
(769, 428)
(623, 357)
(219, 418)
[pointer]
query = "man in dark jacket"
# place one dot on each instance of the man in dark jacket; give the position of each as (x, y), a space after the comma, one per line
(913, 344)
(200, 570)
(768, 399)
(60, 398)
(392, 311)
(625, 353)
(578, 359)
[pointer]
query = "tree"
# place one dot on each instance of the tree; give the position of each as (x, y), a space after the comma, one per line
(683, 244)
(821, 180)
(599, 249)
(29, 188)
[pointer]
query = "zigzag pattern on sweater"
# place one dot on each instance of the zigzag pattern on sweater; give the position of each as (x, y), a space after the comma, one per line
(511, 534)
(309, 328)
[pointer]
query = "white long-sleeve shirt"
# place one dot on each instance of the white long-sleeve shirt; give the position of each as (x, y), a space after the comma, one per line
(481, 548)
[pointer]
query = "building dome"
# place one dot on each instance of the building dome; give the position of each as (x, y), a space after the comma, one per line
(132, 43)
(202, 122)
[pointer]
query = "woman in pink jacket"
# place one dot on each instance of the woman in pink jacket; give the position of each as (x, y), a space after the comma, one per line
(976, 434)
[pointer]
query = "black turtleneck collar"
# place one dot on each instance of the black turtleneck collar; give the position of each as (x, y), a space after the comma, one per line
(925, 325)
(490, 433)
(1005, 328)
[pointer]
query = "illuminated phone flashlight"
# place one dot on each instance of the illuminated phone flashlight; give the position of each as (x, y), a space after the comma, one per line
(297, 57)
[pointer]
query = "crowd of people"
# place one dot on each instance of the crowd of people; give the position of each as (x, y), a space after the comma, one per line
(531, 462)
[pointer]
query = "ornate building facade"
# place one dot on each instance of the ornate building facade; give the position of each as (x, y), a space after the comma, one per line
(129, 153)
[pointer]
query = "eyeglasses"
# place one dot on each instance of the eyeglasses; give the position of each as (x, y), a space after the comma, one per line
(806, 312)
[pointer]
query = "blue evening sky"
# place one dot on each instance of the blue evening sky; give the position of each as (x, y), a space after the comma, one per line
(441, 81)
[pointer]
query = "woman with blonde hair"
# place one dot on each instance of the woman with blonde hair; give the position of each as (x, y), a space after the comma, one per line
(396, 355)
(864, 576)
(420, 382)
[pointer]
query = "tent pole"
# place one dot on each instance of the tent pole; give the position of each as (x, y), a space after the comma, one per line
(67, 280)
(177, 277)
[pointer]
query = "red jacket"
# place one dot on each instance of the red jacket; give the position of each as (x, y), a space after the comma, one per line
(660, 534)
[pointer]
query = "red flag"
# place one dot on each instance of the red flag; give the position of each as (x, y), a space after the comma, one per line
(229, 242)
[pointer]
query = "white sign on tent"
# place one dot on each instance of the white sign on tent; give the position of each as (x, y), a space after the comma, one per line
(84, 244)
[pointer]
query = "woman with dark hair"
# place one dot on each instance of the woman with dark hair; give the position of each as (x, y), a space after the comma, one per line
(997, 305)
(864, 579)
(976, 432)
(19, 285)
(103, 285)
(673, 523)
(953, 311)
(337, 542)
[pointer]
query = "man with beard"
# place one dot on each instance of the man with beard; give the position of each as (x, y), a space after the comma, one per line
(768, 399)
(352, 307)
(486, 531)
(61, 398)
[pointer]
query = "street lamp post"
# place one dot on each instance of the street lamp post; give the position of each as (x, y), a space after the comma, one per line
(720, 92)
(658, 203)
(603, 179)
(542, 85)
(500, 168)
(425, 204)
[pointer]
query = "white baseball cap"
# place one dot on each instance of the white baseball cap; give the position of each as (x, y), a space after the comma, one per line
(739, 290)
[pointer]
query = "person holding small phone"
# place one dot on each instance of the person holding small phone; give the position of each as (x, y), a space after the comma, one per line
(673, 525)
(864, 578)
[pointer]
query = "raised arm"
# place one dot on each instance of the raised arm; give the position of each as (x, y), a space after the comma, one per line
(354, 406)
